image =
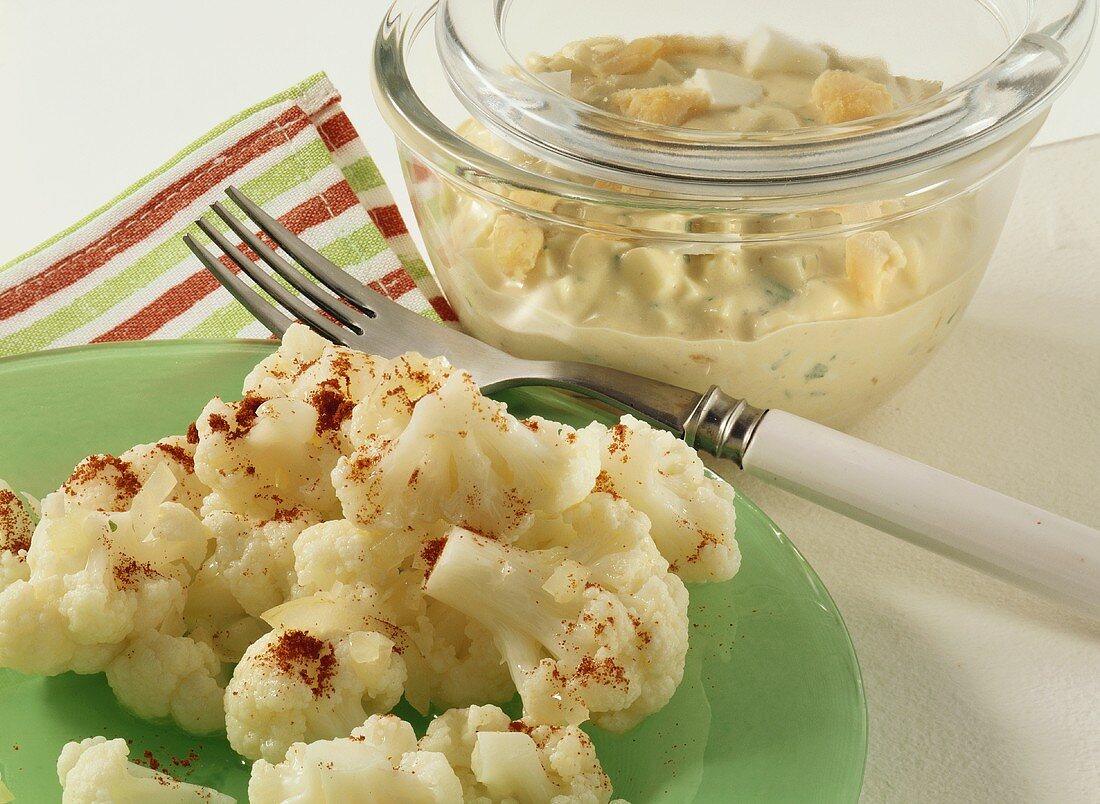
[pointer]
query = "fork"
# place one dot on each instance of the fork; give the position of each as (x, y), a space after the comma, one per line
(1005, 537)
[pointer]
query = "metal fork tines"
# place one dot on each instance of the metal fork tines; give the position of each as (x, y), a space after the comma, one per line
(360, 318)
(351, 307)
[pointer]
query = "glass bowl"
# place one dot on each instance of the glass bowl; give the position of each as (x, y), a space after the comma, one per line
(813, 268)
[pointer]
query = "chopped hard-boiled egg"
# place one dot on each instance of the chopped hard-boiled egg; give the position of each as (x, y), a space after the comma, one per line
(516, 244)
(726, 90)
(870, 260)
(667, 106)
(841, 95)
(769, 51)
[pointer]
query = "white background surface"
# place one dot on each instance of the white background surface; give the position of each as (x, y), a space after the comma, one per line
(977, 692)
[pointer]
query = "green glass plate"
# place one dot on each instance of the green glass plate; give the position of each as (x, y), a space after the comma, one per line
(771, 707)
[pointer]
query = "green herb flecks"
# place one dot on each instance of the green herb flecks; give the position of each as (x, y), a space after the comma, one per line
(817, 372)
(776, 293)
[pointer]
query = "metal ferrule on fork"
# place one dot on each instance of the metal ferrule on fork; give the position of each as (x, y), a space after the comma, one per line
(722, 425)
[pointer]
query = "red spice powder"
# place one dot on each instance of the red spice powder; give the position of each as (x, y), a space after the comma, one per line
(606, 672)
(185, 762)
(619, 434)
(431, 553)
(106, 467)
(246, 414)
(284, 515)
(530, 424)
(13, 520)
(128, 572)
(333, 408)
(606, 485)
(341, 367)
(192, 433)
(519, 725)
(153, 762)
(181, 456)
(298, 653)
(705, 538)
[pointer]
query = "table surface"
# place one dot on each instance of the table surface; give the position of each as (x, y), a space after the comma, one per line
(977, 692)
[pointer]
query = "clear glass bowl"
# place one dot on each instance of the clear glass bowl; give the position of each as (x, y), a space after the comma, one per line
(813, 269)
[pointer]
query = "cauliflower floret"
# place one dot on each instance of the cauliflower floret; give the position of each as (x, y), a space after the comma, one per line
(306, 366)
(841, 95)
(871, 260)
(692, 516)
(593, 626)
(461, 457)
(498, 759)
(160, 675)
(460, 663)
(380, 761)
(343, 552)
(95, 771)
(461, 659)
(260, 455)
(16, 527)
(215, 617)
(666, 105)
(6, 796)
(96, 578)
(255, 557)
(329, 662)
(106, 483)
(299, 349)
(516, 243)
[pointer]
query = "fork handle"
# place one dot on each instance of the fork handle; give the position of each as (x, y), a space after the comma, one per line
(980, 527)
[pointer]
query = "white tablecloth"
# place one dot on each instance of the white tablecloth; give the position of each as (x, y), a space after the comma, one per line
(977, 692)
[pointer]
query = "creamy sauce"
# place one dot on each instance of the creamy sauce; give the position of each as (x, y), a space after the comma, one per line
(825, 326)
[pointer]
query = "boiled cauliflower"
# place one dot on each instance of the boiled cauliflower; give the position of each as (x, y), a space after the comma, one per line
(306, 366)
(328, 663)
(276, 447)
(457, 662)
(262, 455)
(592, 625)
(214, 616)
(455, 455)
(468, 755)
(255, 556)
(692, 514)
(96, 771)
(159, 675)
(380, 761)
(106, 483)
(97, 578)
(343, 552)
(16, 527)
(498, 759)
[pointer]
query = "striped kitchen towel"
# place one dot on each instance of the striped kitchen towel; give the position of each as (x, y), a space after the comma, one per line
(123, 273)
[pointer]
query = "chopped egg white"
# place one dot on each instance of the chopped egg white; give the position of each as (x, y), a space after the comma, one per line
(769, 51)
(727, 90)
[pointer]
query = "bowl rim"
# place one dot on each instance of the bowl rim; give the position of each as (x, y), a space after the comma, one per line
(941, 130)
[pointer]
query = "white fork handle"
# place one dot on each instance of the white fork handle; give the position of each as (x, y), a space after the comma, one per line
(978, 526)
